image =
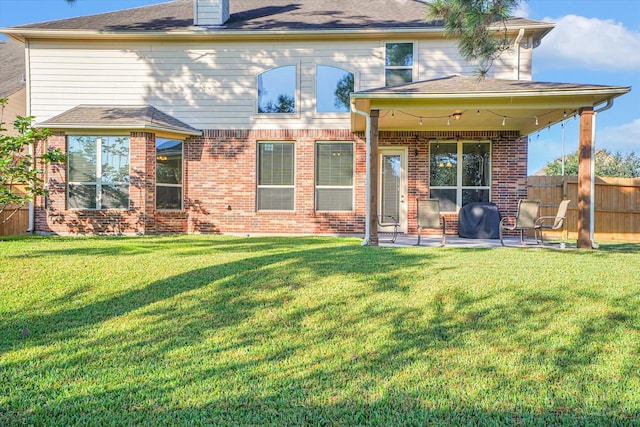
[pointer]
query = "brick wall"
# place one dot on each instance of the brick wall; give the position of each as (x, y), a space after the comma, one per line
(221, 176)
(219, 185)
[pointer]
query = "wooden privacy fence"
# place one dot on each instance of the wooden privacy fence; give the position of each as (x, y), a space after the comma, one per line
(18, 224)
(617, 205)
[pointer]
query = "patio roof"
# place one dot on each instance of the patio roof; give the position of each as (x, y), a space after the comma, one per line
(472, 104)
(112, 117)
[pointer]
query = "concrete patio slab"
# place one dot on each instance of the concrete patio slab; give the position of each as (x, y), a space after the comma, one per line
(459, 242)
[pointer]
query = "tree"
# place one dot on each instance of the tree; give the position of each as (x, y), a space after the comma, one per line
(343, 91)
(284, 104)
(478, 25)
(615, 165)
(21, 178)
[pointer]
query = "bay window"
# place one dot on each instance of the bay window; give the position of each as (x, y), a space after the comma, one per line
(98, 172)
(168, 174)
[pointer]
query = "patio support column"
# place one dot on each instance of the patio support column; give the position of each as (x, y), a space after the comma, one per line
(373, 181)
(585, 157)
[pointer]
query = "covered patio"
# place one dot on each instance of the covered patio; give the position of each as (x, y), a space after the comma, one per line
(500, 113)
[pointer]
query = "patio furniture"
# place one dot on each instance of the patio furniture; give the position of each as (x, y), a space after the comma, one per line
(553, 222)
(525, 219)
(429, 217)
(389, 221)
(479, 220)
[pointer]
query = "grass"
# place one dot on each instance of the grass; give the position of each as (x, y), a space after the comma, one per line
(210, 330)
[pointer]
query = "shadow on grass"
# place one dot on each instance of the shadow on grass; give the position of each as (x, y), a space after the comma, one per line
(284, 409)
(625, 248)
(234, 343)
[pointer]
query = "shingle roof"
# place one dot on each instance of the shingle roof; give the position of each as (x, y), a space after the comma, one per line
(259, 15)
(465, 85)
(11, 67)
(118, 117)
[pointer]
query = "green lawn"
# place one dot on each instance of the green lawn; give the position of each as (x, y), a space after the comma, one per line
(210, 330)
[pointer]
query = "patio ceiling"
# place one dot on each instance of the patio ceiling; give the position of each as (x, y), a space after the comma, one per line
(482, 104)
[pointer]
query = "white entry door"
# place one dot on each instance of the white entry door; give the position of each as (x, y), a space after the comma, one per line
(392, 187)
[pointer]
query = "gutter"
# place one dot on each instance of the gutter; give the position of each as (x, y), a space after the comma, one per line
(27, 73)
(367, 132)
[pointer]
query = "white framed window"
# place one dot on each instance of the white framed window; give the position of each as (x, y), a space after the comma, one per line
(169, 154)
(459, 173)
(334, 176)
(333, 87)
(98, 172)
(277, 90)
(398, 63)
(276, 176)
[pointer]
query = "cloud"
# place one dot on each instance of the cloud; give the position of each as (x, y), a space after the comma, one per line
(591, 43)
(522, 10)
(624, 138)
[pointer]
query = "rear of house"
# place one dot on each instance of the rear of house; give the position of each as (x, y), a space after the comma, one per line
(252, 117)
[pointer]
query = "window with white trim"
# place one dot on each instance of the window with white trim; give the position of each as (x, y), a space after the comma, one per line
(398, 63)
(333, 87)
(168, 174)
(456, 183)
(276, 176)
(334, 176)
(277, 91)
(98, 172)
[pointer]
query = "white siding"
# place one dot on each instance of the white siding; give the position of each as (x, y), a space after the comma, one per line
(213, 86)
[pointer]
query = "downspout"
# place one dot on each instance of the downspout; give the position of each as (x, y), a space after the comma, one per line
(592, 196)
(27, 73)
(516, 59)
(367, 131)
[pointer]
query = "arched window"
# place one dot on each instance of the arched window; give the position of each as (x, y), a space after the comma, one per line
(277, 90)
(333, 87)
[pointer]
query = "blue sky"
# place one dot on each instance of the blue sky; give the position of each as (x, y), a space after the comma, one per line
(595, 42)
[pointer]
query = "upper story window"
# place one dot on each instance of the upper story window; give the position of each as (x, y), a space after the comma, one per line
(98, 172)
(456, 183)
(333, 87)
(168, 174)
(398, 63)
(277, 90)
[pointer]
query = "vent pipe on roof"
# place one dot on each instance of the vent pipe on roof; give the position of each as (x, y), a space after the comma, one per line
(210, 13)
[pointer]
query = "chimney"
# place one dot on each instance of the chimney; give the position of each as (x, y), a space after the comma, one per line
(210, 13)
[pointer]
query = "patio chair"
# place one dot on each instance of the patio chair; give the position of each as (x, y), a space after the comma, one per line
(553, 222)
(429, 217)
(524, 220)
(389, 221)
